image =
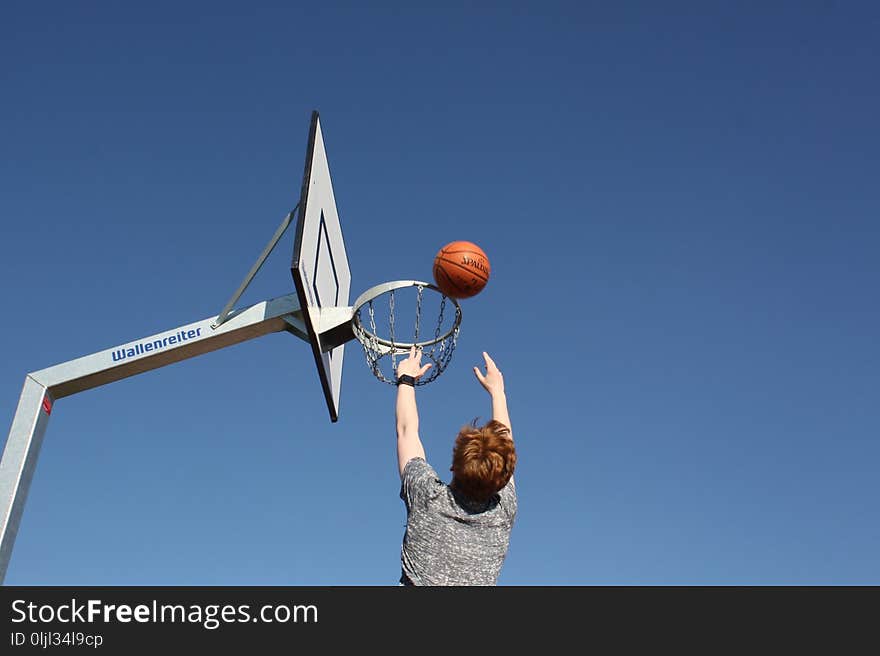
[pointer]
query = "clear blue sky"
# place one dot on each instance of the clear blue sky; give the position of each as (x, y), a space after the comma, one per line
(681, 209)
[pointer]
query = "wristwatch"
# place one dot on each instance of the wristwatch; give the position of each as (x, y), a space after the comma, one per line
(406, 379)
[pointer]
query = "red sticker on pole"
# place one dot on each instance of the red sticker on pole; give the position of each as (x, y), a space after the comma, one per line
(47, 405)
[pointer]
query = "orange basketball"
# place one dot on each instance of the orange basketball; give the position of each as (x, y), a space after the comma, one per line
(461, 269)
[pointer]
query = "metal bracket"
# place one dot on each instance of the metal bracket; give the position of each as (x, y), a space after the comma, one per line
(334, 326)
(296, 324)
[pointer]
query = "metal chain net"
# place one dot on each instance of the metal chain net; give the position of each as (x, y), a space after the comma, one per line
(437, 351)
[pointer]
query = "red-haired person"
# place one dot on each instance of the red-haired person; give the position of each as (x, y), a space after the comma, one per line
(456, 534)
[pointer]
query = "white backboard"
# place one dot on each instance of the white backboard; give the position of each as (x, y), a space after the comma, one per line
(320, 264)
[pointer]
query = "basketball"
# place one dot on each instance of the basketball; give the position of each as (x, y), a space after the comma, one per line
(461, 269)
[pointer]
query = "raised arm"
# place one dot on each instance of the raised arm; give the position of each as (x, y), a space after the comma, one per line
(409, 445)
(493, 382)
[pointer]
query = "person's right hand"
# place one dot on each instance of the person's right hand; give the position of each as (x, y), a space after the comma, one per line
(413, 364)
(492, 380)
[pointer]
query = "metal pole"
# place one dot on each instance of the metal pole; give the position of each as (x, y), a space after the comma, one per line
(19, 462)
(42, 387)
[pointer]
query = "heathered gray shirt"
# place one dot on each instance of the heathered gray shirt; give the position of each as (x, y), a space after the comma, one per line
(451, 540)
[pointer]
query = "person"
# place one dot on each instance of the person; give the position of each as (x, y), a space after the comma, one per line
(456, 534)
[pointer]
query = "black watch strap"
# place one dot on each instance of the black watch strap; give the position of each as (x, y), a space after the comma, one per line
(406, 379)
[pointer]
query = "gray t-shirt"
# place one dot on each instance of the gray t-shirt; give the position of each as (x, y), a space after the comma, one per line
(451, 540)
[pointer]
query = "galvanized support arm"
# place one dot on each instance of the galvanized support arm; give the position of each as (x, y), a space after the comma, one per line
(43, 387)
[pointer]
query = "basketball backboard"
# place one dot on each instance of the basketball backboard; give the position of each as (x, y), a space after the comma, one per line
(320, 264)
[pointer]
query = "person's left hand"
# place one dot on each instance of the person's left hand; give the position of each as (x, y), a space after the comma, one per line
(412, 366)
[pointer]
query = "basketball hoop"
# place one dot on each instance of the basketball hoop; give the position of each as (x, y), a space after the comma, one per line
(407, 294)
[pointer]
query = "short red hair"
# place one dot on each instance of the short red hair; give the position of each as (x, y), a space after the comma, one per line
(483, 460)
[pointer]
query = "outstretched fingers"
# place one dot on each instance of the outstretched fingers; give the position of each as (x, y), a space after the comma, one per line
(414, 362)
(415, 354)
